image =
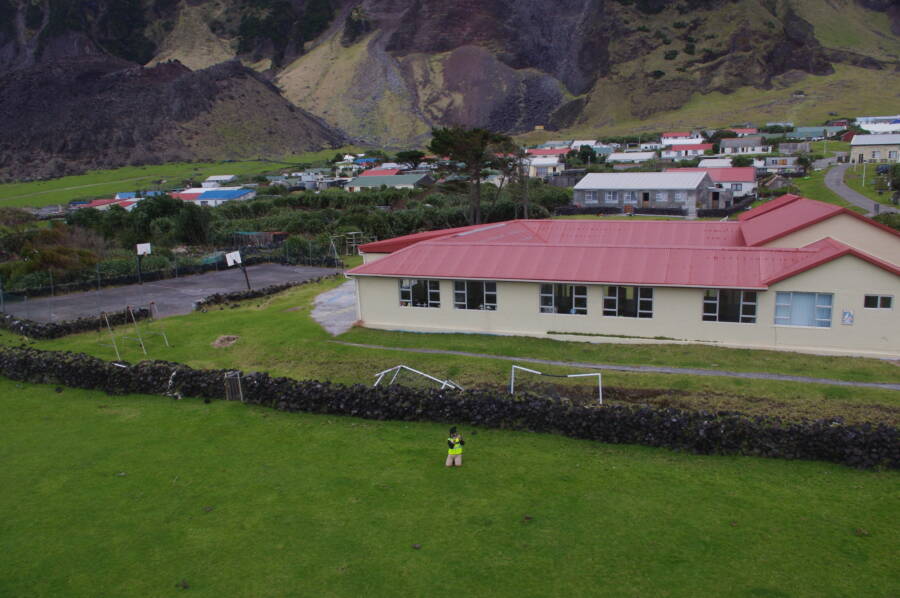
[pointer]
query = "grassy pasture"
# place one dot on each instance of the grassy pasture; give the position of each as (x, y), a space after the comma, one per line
(142, 496)
(278, 335)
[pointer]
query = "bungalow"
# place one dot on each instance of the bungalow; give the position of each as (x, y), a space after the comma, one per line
(558, 151)
(680, 152)
(682, 190)
(681, 138)
(397, 181)
(879, 124)
(218, 180)
(380, 172)
(741, 181)
(651, 146)
(576, 145)
(752, 144)
(542, 166)
(715, 163)
(743, 132)
(783, 165)
(631, 157)
(794, 274)
(216, 197)
(875, 148)
(814, 133)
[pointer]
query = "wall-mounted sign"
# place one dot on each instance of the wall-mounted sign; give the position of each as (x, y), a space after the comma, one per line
(847, 318)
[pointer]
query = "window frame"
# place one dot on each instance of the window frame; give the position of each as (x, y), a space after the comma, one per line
(432, 292)
(879, 300)
(461, 295)
(610, 197)
(548, 303)
(817, 305)
(643, 296)
(744, 305)
(590, 197)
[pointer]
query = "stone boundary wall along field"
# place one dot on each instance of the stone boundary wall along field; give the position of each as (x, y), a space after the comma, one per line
(864, 446)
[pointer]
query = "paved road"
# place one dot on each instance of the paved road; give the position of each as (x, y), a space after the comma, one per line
(834, 180)
(173, 296)
(638, 368)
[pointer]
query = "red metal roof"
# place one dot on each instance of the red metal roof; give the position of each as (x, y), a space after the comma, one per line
(744, 131)
(788, 218)
(770, 205)
(398, 243)
(380, 172)
(736, 174)
(677, 134)
(99, 202)
(560, 151)
(692, 146)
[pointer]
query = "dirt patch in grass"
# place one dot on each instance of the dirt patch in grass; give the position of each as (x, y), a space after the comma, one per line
(225, 341)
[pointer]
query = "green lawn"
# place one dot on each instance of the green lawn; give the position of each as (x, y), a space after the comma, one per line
(813, 187)
(105, 183)
(279, 336)
(874, 182)
(136, 495)
(828, 148)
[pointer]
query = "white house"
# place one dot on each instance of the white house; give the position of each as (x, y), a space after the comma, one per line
(681, 138)
(651, 146)
(631, 157)
(218, 180)
(752, 144)
(681, 152)
(541, 166)
(741, 181)
(685, 191)
(576, 145)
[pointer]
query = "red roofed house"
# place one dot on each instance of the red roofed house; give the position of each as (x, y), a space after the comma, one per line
(744, 132)
(740, 179)
(681, 151)
(380, 172)
(792, 274)
(558, 151)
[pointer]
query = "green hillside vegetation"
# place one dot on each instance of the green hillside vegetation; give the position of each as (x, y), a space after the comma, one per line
(142, 496)
(279, 336)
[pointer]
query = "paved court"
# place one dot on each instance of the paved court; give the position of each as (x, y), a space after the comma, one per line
(173, 296)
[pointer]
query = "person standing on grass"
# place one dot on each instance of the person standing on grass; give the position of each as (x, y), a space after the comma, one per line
(454, 448)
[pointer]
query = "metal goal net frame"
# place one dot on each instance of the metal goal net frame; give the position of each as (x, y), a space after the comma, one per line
(598, 375)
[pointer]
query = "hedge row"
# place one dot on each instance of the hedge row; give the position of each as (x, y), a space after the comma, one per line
(48, 330)
(219, 298)
(863, 446)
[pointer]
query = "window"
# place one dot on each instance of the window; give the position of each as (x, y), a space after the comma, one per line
(628, 302)
(876, 155)
(543, 171)
(611, 197)
(474, 294)
(680, 196)
(630, 197)
(590, 197)
(803, 309)
(725, 305)
(416, 292)
(878, 302)
(660, 197)
(737, 186)
(892, 155)
(563, 299)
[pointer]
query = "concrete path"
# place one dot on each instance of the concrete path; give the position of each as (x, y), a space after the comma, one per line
(637, 368)
(335, 310)
(834, 180)
(173, 296)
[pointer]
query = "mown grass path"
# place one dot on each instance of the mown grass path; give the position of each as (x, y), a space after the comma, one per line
(637, 368)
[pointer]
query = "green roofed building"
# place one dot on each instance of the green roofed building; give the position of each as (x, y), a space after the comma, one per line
(396, 181)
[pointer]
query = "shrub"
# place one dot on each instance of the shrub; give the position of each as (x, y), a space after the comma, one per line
(657, 74)
(670, 54)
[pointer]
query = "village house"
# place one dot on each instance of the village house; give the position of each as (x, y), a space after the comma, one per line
(556, 144)
(752, 144)
(215, 197)
(784, 165)
(879, 124)
(685, 152)
(630, 157)
(558, 151)
(651, 146)
(875, 148)
(681, 138)
(715, 163)
(218, 180)
(685, 191)
(397, 181)
(743, 132)
(578, 143)
(741, 181)
(542, 166)
(814, 133)
(794, 274)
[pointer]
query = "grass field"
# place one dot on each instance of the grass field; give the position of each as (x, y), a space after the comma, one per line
(813, 186)
(279, 336)
(139, 496)
(829, 148)
(105, 183)
(874, 183)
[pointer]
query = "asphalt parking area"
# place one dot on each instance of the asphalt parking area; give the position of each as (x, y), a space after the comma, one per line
(172, 296)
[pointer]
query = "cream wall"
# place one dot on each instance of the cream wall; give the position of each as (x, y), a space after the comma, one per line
(372, 257)
(849, 230)
(887, 153)
(677, 313)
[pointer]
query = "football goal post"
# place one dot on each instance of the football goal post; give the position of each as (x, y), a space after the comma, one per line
(515, 368)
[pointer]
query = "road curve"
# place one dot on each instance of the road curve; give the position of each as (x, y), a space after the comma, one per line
(834, 180)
